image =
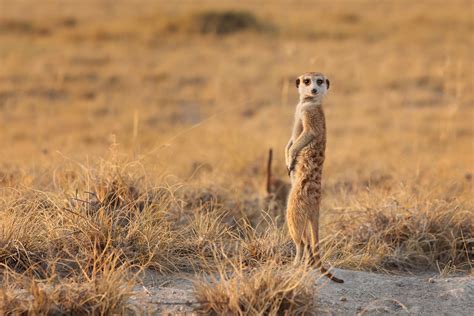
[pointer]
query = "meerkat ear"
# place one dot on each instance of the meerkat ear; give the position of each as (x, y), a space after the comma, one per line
(298, 82)
(327, 83)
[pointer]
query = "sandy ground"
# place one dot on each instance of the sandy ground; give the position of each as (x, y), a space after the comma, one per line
(362, 294)
(373, 294)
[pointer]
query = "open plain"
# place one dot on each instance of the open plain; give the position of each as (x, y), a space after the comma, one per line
(133, 144)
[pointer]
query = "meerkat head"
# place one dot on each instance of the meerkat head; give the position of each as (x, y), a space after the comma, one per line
(312, 86)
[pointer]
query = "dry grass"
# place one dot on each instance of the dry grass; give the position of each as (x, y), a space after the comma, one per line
(129, 145)
(267, 290)
(99, 285)
(399, 235)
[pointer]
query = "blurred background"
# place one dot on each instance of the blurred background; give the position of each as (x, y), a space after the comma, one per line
(202, 89)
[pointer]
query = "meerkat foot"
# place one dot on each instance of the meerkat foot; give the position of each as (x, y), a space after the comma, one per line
(299, 255)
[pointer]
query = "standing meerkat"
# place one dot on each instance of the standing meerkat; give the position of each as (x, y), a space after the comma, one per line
(304, 155)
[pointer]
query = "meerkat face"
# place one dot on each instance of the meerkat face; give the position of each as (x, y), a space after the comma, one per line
(312, 86)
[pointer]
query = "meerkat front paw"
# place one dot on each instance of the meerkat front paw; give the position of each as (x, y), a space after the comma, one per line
(287, 153)
(288, 164)
(291, 166)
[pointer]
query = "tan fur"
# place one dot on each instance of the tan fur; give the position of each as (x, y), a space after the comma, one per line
(305, 155)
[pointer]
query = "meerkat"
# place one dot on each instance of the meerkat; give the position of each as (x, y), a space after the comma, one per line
(305, 155)
(277, 187)
(276, 193)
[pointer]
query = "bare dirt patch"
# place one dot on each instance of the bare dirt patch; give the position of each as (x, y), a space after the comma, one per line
(363, 293)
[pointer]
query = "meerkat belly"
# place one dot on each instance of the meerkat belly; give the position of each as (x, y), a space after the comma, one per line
(309, 163)
(308, 172)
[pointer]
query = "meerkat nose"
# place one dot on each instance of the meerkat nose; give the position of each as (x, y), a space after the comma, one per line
(314, 91)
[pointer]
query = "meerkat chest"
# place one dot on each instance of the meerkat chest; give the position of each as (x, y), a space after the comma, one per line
(315, 124)
(298, 124)
(314, 121)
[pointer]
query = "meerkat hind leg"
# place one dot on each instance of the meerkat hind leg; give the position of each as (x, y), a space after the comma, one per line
(299, 253)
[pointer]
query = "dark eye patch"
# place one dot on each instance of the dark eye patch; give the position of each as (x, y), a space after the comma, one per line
(307, 81)
(319, 82)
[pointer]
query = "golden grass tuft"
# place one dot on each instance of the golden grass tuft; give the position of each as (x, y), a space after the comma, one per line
(269, 289)
(100, 289)
(407, 235)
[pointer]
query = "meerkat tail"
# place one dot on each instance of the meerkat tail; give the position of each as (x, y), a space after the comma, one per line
(328, 274)
(315, 259)
(269, 171)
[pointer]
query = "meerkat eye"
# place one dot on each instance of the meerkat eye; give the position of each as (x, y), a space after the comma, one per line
(307, 81)
(319, 82)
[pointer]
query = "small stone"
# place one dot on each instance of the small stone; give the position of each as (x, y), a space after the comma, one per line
(343, 299)
(431, 280)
